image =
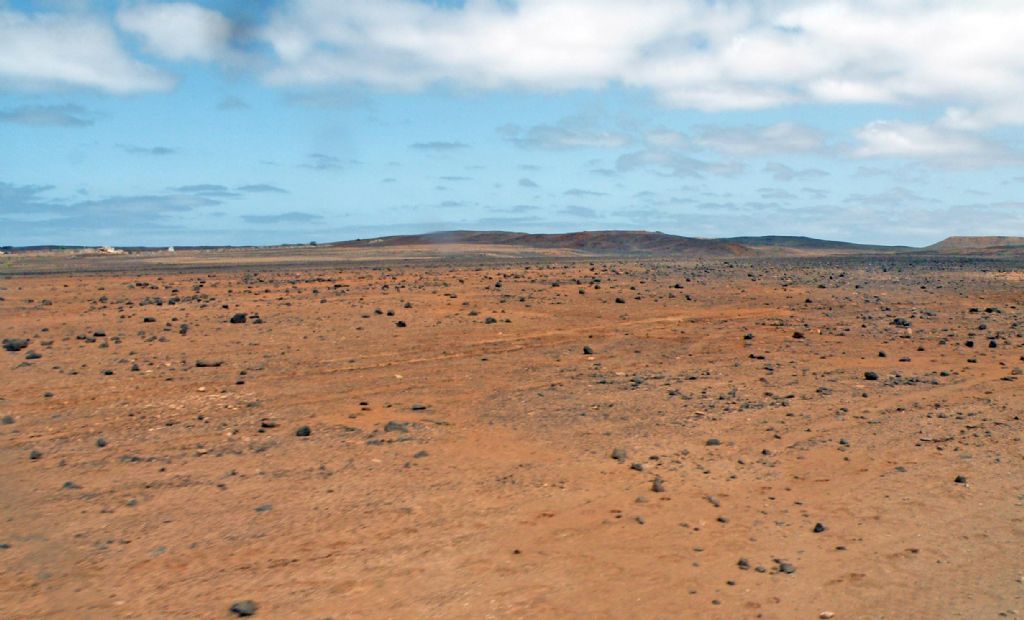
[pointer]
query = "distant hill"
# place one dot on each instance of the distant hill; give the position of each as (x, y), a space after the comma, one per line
(23, 249)
(41, 248)
(597, 242)
(809, 243)
(954, 245)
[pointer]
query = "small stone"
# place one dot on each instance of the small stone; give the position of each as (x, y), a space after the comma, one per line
(743, 564)
(619, 454)
(587, 350)
(101, 443)
(238, 317)
(819, 528)
(303, 431)
(871, 376)
(658, 486)
(786, 567)
(392, 426)
(399, 323)
(960, 480)
(7, 419)
(35, 455)
(244, 608)
(713, 442)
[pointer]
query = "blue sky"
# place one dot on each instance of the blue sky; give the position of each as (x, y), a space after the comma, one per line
(237, 122)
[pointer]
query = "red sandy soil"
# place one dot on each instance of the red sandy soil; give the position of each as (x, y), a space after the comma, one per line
(501, 499)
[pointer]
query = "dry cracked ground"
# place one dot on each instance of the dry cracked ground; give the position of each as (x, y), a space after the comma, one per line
(807, 438)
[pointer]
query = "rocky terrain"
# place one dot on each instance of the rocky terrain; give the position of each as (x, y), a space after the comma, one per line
(541, 436)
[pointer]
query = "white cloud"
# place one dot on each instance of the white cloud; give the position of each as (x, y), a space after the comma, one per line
(666, 138)
(579, 212)
(784, 173)
(740, 54)
(674, 162)
(546, 44)
(893, 197)
(954, 147)
(570, 133)
(777, 138)
(59, 51)
(67, 115)
(690, 53)
(178, 30)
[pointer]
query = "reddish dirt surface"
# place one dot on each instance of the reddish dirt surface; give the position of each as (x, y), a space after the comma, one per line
(500, 498)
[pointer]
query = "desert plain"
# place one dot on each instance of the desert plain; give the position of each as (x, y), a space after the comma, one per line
(502, 436)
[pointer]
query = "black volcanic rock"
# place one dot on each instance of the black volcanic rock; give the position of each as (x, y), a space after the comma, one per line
(15, 344)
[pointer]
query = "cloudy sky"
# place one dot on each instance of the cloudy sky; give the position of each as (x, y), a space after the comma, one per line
(251, 121)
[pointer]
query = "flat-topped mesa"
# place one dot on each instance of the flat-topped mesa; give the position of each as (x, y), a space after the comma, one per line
(966, 244)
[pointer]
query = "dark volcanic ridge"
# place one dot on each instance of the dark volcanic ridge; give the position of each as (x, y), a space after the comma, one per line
(633, 242)
(598, 242)
(812, 244)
